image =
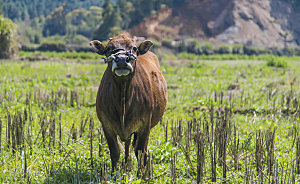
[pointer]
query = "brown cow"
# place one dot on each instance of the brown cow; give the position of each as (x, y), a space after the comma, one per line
(132, 95)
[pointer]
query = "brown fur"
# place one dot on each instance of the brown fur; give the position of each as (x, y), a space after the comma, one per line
(145, 93)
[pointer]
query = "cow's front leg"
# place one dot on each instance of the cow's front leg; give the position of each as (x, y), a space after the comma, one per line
(114, 148)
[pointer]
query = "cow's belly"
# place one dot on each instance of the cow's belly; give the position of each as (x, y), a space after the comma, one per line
(133, 123)
(130, 128)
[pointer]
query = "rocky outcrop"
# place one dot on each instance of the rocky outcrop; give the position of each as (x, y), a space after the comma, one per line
(251, 22)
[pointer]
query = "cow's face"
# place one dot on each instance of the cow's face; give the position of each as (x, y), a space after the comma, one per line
(121, 53)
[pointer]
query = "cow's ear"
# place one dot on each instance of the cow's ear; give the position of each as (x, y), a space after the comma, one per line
(144, 47)
(98, 47)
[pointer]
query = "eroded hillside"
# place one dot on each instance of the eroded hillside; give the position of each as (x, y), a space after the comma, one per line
(251, 22)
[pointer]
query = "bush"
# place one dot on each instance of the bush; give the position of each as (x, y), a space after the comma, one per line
(167, 43)
(78, 40)
(256, 51)
(156, 44)
(181, 46)
(192, 46)
(225, 49)
(237, 49)
(297, 51)
(29, 47)
(7, 47)
(277, 62)
(207, 48)
(52, 45)
(290, 51)
(189, 56)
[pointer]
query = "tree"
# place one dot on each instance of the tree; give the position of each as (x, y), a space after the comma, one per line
(142, 9)
(111, 22)
(126, 9)
(83, 22)
(1, 11)
(20, 9)
(56, 22)
(6, 38)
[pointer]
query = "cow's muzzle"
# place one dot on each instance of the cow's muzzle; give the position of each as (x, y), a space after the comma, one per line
(122, 65)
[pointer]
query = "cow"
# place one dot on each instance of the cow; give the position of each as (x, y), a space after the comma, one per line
(132, 95)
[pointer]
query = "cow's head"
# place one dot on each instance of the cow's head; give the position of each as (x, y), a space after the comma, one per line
(121, 53)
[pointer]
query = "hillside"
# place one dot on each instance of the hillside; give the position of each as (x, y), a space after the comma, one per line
(251, 22)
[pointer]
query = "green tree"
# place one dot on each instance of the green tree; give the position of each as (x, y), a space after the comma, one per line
(6, 39)
(56, 22)
(126, 9)
(111, 22)
(83, 22)
(24, 9)
(143, 8)
(1, 11)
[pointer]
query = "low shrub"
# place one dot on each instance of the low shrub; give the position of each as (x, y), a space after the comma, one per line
(156, 44)
(207, 48)
(237, 49)
(7, 44)
(277, 62)
(167, 43)
(52, 45)
(225, 49)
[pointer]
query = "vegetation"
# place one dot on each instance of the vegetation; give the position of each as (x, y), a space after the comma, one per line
(81, 18)
(232, 116)
(277, 62)
(56, 22)
(22, 10)
(111, 22)
(82, 22)
(200, 47)
(233, 121)
(88, 56)
(7, 47)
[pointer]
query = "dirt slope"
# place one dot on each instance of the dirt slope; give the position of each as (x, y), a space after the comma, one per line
(251, 22)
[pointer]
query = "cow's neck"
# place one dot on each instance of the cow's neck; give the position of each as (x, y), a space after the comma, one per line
(121, 89)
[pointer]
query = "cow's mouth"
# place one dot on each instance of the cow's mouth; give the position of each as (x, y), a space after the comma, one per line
(122, 72)
(122, 64)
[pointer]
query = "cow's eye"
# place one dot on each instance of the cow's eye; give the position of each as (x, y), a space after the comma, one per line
(110, 58)
(132, 57)
(134, 49)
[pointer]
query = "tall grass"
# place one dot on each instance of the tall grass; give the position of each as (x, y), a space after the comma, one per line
(234, 122)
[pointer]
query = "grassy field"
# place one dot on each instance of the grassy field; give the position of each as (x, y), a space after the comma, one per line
(233, 121)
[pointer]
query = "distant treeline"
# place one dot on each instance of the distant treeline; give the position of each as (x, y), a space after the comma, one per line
(29, 9)
(187, 48)
(76, 21)
(204, 48)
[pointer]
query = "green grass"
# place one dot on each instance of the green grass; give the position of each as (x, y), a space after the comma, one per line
(73, 56)
(255, 91)
(90, 56)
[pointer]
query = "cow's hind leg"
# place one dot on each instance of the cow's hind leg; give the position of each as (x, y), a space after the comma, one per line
(141, 148)
(114, 148)
(134, 139)
(127, 144)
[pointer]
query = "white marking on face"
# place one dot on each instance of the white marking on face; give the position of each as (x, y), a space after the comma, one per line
(121, 71)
